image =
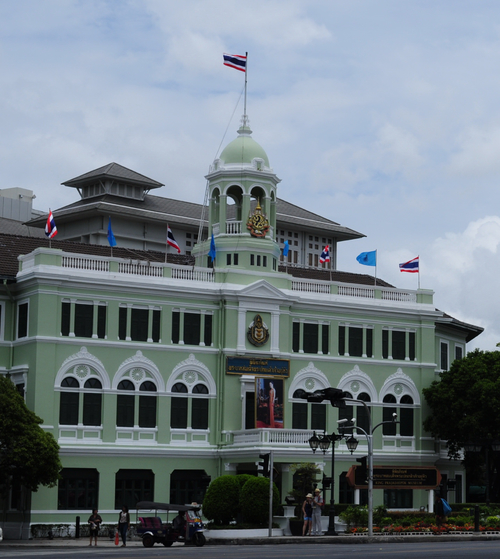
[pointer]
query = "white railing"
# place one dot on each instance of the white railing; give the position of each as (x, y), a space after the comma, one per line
(355, 291)
(233, 228)
(141, 269)
(264, 436)
(315, 287)
(395, 295)
(190, 274)
(86, 263)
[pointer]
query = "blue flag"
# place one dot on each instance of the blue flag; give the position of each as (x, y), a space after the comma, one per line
(211, 253)
(368, 259)
(111, 237)
(286, 248)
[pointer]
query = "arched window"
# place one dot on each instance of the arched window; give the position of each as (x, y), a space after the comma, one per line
(387, 416)
(92, 402)
(182, 405)
(302, 411)
(125, 404)
(406, 416)
(69, 401)
(147, 405)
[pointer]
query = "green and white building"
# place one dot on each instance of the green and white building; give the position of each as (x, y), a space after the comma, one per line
(148, 373)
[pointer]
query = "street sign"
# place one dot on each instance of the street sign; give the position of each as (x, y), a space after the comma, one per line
(396, 477)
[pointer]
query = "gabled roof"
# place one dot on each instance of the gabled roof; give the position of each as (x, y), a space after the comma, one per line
(113, 171)
(471, 330)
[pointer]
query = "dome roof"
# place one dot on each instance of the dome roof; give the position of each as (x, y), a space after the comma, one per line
(243, 149)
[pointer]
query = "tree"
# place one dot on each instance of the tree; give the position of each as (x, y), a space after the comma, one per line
(28, 454)
(221, 500)
(254, 500)
(465, 402)
(304, 481)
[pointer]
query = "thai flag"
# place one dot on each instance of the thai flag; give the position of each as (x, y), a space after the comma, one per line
(171, 240)
(50, 226)
(236, 61)
(410, 266)
(325, 255)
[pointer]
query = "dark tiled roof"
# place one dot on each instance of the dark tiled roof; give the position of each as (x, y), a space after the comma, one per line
(13, 227)
(471, 330)
(11, 246)
(113, 171)
(335, 276)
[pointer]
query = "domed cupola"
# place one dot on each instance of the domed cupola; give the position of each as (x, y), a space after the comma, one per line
(242, 206)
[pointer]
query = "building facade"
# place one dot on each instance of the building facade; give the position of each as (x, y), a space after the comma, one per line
(155, 377)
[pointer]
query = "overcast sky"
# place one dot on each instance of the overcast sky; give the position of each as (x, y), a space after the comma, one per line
(382, 115)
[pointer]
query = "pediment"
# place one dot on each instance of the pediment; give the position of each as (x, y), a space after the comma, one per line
(262, 289)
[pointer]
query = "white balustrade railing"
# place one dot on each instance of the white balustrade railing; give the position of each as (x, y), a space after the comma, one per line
(190, 274)
(396, 295)
(315, 287)
(233, 228)
(141, 269)
(85, 263)
(265, 436)
(355, 291)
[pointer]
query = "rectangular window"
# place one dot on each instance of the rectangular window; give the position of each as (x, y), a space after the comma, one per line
(122, 323)
(192, 328)
(176, 318)
(236, 259)
(444, 356)
(318, 417)
(299, 416)
(258, 260)
(68, 410)
(311, 338)
(178, 412)
(264, 261)
(133, 486)
(341, 341)
(78, 489)
(458, 352)
(147, 411)
(385, 344)
(228, 259)
(208, 330)
(369, 342)
(325, 336)
(101, 321)
(156, 325)
(84, 320)
(139, 325)
(22, 320)
(92, 406)
(398, 345)
(252, 260)
(412, 346)
(355, 341)
(65, 318)
(295, 337)
(125, 411)
(199, 412)
(406, 419)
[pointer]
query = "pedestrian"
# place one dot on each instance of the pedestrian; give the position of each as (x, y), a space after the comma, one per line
(307, 511)
(439, 511)
(94, 522)
(124, 524)
(317, 506)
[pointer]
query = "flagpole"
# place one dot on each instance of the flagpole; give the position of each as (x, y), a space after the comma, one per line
(375, 284)
(419, 272)
(246, 73)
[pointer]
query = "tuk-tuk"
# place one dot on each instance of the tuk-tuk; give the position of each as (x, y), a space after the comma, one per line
(180, 523)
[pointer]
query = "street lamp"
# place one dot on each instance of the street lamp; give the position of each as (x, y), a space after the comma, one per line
(476, 447)
(324, 443)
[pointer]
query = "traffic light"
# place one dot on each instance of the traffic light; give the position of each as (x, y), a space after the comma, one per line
(263, 466)
(361, 471)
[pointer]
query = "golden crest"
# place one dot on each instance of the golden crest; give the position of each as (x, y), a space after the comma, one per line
(257, 223)
(258, 333)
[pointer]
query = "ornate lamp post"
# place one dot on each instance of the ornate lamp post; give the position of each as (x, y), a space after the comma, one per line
(324, 443)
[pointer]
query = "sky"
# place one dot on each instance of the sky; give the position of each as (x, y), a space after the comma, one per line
(380, 115)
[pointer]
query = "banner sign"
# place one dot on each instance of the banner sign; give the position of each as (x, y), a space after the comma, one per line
(262, 367)
(424, 478)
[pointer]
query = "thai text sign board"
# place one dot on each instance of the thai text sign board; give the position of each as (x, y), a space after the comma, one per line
(424, 478)
(262, 367)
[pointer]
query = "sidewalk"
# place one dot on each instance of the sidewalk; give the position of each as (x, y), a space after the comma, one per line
(341, 539)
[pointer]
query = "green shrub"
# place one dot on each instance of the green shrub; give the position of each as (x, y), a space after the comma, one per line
(492, 521)
(379, 513)
(355, 516)
(221, 500)
(242, 478)
(254, 500)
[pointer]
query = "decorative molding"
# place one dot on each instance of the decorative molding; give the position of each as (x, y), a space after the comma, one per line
(189, 372)
(83, 365)
(357, 381)
(138, 368)
(399, 384)
(309, 378)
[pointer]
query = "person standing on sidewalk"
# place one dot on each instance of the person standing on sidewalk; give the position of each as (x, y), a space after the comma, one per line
(307, 512)
(124, 524)
(94, 521)
(318, 504)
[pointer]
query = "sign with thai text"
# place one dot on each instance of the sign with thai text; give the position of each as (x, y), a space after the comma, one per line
(262, 367)
(424, 478)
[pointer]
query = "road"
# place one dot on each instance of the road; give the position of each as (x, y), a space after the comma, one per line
(431, 549)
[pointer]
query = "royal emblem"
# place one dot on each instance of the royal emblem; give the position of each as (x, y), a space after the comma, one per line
(257, 223)
(258, 333)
